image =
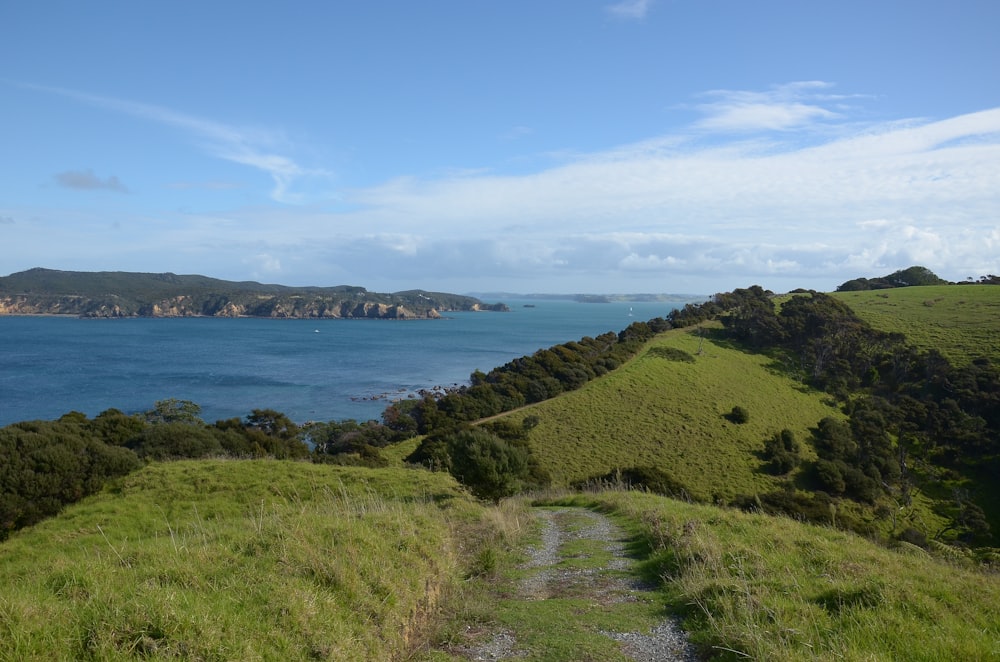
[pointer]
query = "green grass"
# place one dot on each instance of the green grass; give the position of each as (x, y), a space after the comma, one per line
(660, 410)
(237, 560)
(769, 588)
(960, 321)
(565, 621)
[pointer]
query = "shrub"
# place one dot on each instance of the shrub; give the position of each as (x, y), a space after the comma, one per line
(782, 452)
(738, 415)
(489, 466)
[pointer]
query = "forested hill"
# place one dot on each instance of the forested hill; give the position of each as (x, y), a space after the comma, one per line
(125, 294)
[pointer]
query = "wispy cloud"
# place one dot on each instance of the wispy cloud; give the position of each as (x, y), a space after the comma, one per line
(86, 180)
(224, 141)
(7, 220)
(780, 108)
(633, 9)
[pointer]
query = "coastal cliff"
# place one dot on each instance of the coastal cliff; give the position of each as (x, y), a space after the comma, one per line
(125, 294)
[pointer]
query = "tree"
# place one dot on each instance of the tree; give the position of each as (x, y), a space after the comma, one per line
(173, 410)
(782, 451)
(272, 423)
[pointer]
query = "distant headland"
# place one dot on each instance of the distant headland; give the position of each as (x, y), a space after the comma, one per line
(117, 294)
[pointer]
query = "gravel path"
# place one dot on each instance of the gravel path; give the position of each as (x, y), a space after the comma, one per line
(665, 642)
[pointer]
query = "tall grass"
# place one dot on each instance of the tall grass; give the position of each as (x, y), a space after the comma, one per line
(236, 560)
(769, 588)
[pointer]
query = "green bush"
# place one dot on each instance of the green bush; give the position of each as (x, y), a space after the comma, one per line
(738, 415)
(489, 466)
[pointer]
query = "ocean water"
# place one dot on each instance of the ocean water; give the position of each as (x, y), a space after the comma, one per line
(309, 369)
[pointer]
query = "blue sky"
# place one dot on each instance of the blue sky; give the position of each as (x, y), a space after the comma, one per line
(687, 146)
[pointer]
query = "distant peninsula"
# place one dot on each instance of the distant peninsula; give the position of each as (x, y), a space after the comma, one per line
(117, 294)
(596, 298)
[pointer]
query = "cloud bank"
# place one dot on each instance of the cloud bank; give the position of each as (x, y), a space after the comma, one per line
(782, 187)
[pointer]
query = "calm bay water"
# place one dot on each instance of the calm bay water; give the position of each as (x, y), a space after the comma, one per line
(308, 369)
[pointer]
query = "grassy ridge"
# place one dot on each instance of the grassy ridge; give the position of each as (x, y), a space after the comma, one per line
(657, 410)
(962, 322)
(235, 560)
(769, 588)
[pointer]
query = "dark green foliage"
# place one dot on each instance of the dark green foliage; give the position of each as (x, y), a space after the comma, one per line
(431, 453)
(671, 354)
(174, 411)
(968, 520)
(173, 441)
(782, 452)
(751, 316)
(845, 466)
(543, 375)
(272, 423)
(913, 276)
(350, 442)
(489, 466)
(738, 415)
(264, 433)
(45, 465)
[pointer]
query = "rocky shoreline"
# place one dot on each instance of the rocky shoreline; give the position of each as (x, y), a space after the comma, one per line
(122, 295)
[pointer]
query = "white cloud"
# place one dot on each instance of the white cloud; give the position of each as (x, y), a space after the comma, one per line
(239, 145)
(635, 9)
(780, 108)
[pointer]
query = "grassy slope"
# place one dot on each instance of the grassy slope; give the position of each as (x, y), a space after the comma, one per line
(235, 560)
(267, 560)
(655, 411)
(775, 589)
(960, 321)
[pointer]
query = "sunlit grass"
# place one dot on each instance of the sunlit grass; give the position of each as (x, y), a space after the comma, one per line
(769, 588)
(237, 560)
(672, 414)
(960, 321)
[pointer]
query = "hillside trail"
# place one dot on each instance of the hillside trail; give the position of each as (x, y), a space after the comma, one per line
(578, 598)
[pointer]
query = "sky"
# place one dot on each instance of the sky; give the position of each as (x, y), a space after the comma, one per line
(560, 146)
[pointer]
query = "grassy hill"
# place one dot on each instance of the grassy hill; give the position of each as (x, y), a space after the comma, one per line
(960, 321)
(287, 560)
(237, 560)
(669, 409)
